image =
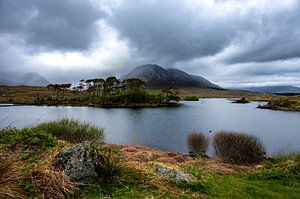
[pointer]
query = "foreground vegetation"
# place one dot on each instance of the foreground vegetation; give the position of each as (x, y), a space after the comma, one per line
(26, 170)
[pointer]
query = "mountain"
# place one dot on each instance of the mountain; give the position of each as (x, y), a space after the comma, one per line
(9, 78)
(156, 76)
(274, 89)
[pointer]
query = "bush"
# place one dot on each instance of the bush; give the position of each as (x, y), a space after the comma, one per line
(238, 148)
(72, 130)
(197, 143)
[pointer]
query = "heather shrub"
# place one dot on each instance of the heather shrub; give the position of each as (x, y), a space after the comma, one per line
(238, 148)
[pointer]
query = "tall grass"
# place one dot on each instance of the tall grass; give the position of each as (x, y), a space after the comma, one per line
(72, 130)
(238, 148)
(197, 143)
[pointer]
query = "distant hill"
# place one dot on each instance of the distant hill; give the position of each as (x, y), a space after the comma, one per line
(156, 76)
(273, 89)
(9, 78)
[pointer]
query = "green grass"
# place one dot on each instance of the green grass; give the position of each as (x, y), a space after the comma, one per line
(130, 183)
(72, 130)
(281, 169)
(240, 187)
(134, 185)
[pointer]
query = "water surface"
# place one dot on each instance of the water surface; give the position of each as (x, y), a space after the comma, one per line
(167, 128)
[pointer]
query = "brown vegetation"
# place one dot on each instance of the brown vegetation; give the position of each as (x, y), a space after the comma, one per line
(197, 143)
(238, 148)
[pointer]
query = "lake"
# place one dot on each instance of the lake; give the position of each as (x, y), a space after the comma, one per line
(167, 128)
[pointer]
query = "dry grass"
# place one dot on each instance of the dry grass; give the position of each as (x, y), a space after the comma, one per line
(51, 183)
(10, 173)
(42, 177)
(142, 158)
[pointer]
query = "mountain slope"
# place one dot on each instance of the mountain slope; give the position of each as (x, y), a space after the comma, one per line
(156, 76)
(9, 78)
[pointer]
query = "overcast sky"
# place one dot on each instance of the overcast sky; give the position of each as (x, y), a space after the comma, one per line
(230, 42)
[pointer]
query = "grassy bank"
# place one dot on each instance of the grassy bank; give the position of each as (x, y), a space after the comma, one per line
(27, 155)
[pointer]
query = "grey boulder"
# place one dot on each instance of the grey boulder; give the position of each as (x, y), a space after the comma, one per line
(79, 162)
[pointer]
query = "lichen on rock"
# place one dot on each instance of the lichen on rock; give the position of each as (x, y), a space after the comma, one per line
(79, 162)
(174, 173)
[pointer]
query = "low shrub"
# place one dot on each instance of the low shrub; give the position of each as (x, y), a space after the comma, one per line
(238, 148)
(197, 143)
(27, 139)
(72, 130)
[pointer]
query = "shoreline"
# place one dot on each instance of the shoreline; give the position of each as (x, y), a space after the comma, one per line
(170, 105)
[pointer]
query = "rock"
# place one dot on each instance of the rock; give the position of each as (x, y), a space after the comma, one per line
(174, 173)
(79, 162)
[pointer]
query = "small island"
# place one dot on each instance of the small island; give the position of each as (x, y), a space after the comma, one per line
(242, 100)
(97, 92)
(290, 103)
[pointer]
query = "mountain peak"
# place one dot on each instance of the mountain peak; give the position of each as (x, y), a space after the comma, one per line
(157, 76)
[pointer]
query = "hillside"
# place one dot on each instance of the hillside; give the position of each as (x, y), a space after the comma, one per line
(9, 78)
(156, 76)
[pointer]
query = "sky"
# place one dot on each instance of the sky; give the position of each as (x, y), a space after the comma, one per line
(234, 43)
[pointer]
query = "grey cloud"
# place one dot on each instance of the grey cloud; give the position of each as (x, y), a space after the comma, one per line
(50, 24)
(171, 30)
(276, 37)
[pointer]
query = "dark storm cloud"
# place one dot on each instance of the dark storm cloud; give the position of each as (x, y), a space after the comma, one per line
(176, 30)
(50, 24)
